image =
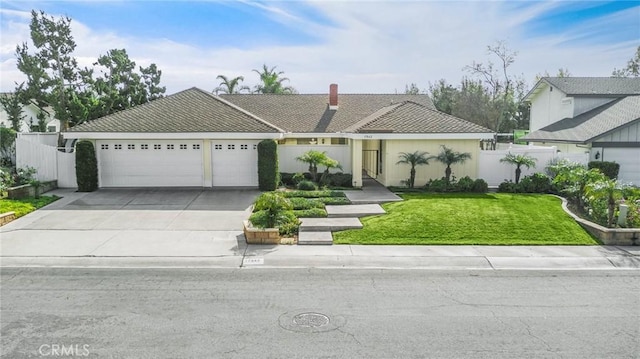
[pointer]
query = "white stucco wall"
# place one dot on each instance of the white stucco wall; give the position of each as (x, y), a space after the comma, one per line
(393, 174)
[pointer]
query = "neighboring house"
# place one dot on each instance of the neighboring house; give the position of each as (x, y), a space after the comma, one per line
(30, 113)
(595, 115)
(195, 138)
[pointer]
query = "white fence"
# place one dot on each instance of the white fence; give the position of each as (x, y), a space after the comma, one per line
(287, 157)
(49, 163)
(495, 172)
(45, 138)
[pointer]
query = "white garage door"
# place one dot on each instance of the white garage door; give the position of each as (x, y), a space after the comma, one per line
(149, 163)
(234, 163)
(629, 160)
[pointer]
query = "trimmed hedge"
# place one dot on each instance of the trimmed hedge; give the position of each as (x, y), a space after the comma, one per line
(310, 213)
(536, 183)
(334, 200)
(268, 165)
(609, 169)
(465, 184)
(305, 203)
(312, 194)
(86, 167)
(338, 179)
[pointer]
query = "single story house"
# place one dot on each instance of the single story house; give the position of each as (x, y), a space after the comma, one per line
(595, 115)
(195, 138)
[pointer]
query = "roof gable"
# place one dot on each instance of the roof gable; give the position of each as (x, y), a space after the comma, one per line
(590, 86)
(311, 113)
(191, 110)
(592, 124)
(411, 117)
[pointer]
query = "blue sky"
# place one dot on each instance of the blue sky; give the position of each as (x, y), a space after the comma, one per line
(365, 46)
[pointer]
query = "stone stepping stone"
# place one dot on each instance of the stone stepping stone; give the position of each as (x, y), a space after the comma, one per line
(329, 224)
(354, 210)
(315, 238)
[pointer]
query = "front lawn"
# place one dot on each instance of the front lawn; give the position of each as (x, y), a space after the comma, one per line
(25, 205)
(483, 219)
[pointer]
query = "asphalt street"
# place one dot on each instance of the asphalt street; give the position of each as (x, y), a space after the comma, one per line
(318, 313)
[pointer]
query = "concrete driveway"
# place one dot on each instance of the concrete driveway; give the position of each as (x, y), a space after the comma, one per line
(133, 222)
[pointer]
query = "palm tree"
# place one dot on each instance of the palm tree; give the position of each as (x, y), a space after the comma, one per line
(271, 82)
(518, 161)
(313, 158)
(414, 159)
(450, 157)
(230, 86)
(608, 190)
(329, 163)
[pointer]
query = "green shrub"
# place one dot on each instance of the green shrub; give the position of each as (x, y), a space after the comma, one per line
(86, 167)
(286, 222)
(536, 183)
(464, 184)
(312, 194)
(480, 186)
(310, 213)
(274, 207)
(507, 187)
(438, 185)
(268, 165)
(609, 169)
(338, 180)
(305, 203)
(306, 186)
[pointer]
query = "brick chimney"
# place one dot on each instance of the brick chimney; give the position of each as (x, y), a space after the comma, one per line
(333, 97)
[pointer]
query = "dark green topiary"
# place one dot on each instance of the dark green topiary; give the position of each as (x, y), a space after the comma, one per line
(268, 176)
(306, 186)
(86, 167)
(609, 169)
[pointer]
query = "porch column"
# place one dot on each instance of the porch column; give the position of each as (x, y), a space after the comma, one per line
(356, 163)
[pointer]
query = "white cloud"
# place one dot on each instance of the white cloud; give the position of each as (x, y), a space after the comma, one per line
(373, 47)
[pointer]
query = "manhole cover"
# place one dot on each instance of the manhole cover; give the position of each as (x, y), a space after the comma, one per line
(310, 321)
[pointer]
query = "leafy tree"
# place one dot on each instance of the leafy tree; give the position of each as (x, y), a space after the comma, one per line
(414, 159)
(118, 87)
(230, 86)
(329, 164)
(411, 89)
(562, 72)
(13, 107)
(505, 92)
(449, 157)
(444, 96)
(51, 71)
(7, 146)
(632, 69)
(519, 161)
(271, 82)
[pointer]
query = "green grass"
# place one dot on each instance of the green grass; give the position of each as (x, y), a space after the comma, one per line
(483, 219)
(25, 205)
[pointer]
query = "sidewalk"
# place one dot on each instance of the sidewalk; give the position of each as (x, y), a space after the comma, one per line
(215, 250)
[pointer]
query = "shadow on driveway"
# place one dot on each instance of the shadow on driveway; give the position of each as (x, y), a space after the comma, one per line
(175, 199)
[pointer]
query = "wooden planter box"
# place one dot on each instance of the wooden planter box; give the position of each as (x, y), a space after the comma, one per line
(261, 235)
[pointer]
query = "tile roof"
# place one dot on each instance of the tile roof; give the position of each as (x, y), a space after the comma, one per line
(592, 124)
(191, 110)
(608, 86)
(411, 117)
(311, 113)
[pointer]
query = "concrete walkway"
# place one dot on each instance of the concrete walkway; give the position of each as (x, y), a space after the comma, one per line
(371, 192)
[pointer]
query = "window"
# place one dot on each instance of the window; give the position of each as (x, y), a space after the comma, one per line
(51, 129)
(338, 141)
(117, 147)
(131, 147)
(170, 147)
(196, 146)
(218, 147)
(231, 147)
(306, 141)
(244, 147)
(104, 147)
(144, 146)
(183, 146)
(157, 147)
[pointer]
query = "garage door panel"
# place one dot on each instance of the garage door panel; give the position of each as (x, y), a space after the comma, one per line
(629, 160)
(234, 163)
(143, 163)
